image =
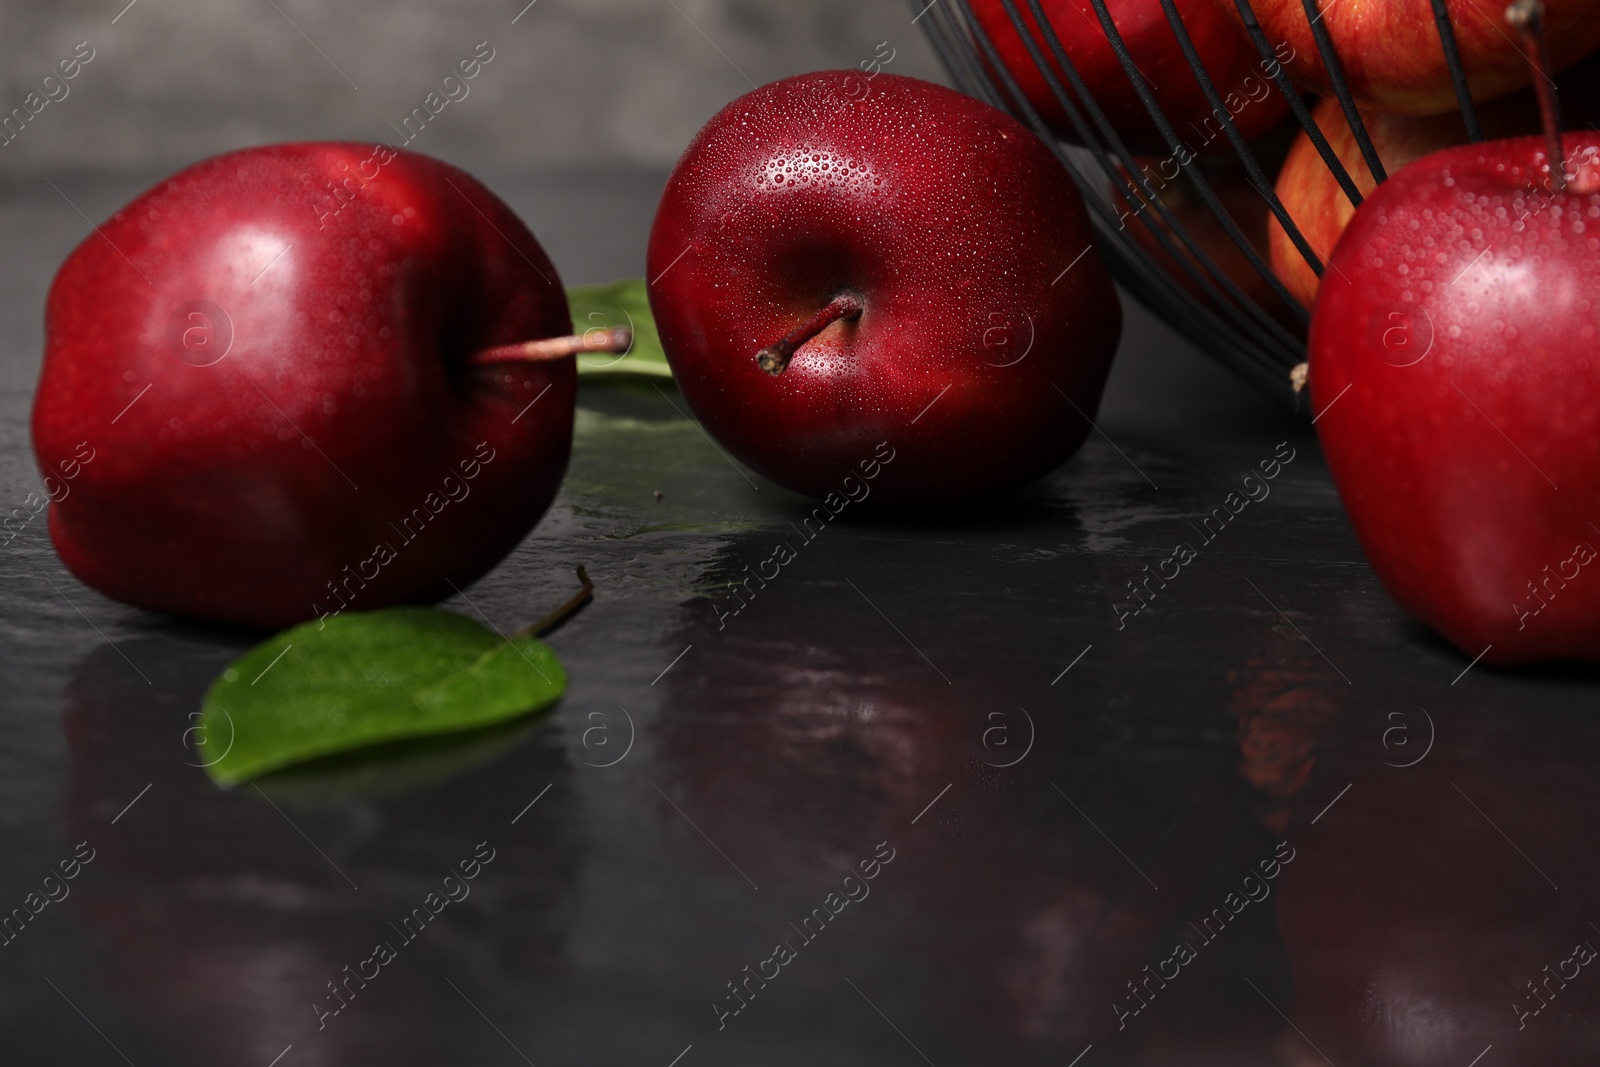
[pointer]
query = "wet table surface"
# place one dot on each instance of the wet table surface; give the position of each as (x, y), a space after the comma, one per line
(933, 794)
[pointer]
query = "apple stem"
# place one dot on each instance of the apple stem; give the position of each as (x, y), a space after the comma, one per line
(616, 340)
(1527, 18)
(775, 357)
(564, 612)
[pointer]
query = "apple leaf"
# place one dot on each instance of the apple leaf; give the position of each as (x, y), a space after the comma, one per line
(621, 303)
(362, 678)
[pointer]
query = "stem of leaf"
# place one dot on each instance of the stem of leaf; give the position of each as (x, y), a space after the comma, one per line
(553, 621)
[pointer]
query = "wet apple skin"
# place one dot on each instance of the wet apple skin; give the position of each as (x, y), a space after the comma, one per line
(988, 313)
(257, 488)
(1453, 364)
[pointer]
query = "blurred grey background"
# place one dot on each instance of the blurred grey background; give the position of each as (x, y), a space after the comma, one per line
(572, 83)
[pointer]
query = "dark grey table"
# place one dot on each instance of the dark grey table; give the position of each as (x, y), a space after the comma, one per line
(1366, 850)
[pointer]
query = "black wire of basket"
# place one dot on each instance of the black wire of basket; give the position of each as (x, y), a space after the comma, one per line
(1229, 324)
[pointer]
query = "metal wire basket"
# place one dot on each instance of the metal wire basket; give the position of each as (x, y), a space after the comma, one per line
(1234, 327)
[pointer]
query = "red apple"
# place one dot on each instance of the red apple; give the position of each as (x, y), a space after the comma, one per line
(1320, 207)
(261, 368)
(1393, 59)
(1243, 81)
(923, 259)
(1452, 367)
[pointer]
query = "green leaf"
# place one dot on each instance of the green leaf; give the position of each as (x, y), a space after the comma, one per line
(621, 303)
(363, 678)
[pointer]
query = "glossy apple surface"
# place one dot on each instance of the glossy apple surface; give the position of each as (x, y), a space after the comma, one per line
(1242, 80)
(1452, 356)
(257, 373)
(987, 313)
(1393, 59)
